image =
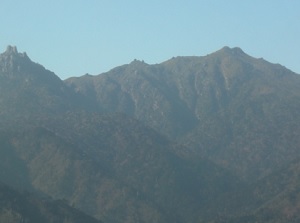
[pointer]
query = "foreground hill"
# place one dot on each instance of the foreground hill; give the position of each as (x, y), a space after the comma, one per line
(114, 168)
(193, 139)
(16, 207)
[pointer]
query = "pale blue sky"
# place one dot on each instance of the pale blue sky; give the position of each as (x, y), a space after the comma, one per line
(75, 37)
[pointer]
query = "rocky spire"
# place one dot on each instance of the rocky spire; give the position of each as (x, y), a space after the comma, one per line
(11, 60)
(11, 50)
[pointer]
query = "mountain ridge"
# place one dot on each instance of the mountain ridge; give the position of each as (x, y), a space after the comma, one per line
(184, 140)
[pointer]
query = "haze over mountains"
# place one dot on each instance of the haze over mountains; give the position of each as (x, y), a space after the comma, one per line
(193, 139)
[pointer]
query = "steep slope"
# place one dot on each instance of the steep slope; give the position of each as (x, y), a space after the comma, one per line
(116, 169)
(258, 130)
(277, 198)
(16, 207)
(142, 91)
(282, 190)
(27, 88)
(228, 106)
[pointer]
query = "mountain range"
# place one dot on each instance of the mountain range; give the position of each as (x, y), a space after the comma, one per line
(193, 139)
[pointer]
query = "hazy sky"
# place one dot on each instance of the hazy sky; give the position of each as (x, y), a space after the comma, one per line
(75, 37)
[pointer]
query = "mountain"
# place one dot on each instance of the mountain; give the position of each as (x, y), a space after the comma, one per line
(113, 168)
(18, 207)
(28, 88)
(278, 194)
(228, 106)
(193, 139)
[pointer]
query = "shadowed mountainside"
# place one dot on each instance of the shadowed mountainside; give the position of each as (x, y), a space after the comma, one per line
(16, 207)
(116, 169)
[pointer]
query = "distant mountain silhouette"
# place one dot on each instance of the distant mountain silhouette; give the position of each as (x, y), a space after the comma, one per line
(193, 139)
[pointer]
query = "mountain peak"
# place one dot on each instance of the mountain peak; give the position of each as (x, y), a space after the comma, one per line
(11, 59)
(138, 62)
(233, 51)
(11, 50)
